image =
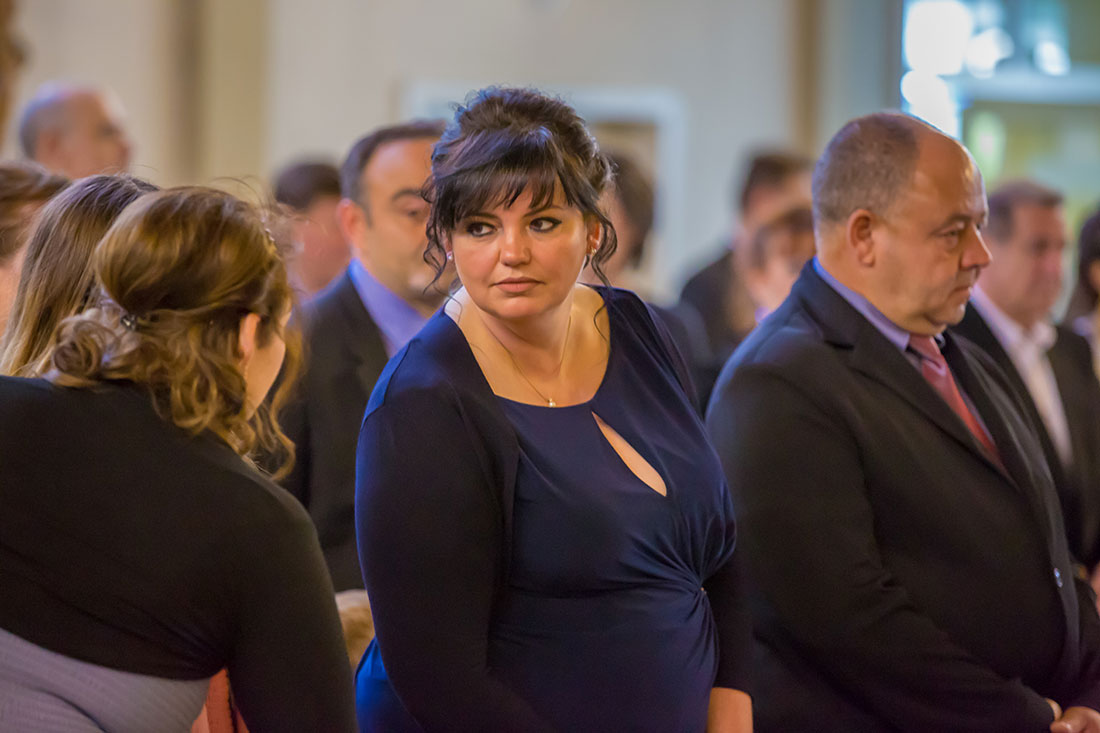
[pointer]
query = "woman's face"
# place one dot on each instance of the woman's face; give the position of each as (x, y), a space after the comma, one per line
(518, 262)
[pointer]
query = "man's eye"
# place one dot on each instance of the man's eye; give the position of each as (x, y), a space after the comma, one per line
(544, 224)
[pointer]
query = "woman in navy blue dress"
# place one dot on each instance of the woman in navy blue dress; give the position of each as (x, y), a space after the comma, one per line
(544, 529)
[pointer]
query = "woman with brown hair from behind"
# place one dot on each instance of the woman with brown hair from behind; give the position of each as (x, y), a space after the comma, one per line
(57, 279)
(24, 188)
(168, 556)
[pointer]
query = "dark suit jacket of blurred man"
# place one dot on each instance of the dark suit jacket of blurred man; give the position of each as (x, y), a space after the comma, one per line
(1079, 483)
(902, 579)
(345, 356)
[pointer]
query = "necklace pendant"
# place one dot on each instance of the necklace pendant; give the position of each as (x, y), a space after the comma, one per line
(550, 403)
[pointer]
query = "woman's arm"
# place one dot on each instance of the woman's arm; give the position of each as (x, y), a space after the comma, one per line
(730, 711)
(288, 669)
(430, 544)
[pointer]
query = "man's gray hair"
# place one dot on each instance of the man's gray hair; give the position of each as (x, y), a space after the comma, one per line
(865, 166)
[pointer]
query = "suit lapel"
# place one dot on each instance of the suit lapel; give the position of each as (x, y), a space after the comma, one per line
(974, 328)
(1067, 376)
(1010, 434)
(362, 340)
(874, 356)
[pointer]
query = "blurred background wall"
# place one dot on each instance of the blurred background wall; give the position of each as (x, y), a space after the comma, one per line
(236, 88)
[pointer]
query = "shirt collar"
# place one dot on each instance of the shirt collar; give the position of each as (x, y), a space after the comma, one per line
(1011, 334)
(397, 321)
(894, 333)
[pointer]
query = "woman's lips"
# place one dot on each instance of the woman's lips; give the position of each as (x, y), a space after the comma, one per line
(517, 284)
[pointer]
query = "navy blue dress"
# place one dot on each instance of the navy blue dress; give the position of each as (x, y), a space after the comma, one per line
(603, 622)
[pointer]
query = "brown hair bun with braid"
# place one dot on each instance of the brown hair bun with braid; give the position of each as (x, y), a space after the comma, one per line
(179, 269)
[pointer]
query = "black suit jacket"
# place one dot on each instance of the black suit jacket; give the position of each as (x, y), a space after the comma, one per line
(901, 579)
(1078, 484)
(344, 357)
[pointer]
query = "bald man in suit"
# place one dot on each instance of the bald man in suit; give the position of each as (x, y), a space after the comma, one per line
(899, 524)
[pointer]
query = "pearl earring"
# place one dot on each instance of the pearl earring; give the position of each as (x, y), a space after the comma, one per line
(450, 256)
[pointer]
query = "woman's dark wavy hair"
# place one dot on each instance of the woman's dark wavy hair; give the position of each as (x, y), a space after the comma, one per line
(178, 270)
(503, 142)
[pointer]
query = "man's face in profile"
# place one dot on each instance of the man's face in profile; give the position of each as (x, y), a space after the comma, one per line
(928, 246)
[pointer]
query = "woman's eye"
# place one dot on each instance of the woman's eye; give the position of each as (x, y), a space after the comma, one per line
(544, 224)
(478, 229)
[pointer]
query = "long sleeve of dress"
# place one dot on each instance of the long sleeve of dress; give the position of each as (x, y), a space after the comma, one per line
(288, 669)
(430, 542)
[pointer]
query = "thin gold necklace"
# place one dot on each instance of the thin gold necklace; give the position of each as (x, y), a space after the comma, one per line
(561, 362)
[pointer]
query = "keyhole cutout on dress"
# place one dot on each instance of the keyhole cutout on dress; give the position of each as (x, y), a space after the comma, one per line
(638, 466)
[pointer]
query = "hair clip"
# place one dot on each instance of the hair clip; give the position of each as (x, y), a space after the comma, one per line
(129, 322)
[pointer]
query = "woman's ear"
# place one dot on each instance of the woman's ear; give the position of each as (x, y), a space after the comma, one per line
(593, 232)
(246, 338)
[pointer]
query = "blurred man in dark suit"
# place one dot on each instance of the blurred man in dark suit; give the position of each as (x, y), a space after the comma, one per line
(311, 190)
(355, 325)
(1010, 318)
(773, 182)
(899, 524)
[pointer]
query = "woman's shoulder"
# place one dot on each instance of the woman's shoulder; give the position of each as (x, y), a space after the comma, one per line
(436, 364)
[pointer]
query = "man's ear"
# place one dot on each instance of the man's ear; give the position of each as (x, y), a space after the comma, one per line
(353, 222)
(860, 236)
(47, 148)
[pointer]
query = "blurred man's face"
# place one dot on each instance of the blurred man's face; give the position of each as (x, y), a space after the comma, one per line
(324, 251)
(927, 250)
(770, 284)
(1025, 277)
(766, 203)
(391, 238)
(92, 139)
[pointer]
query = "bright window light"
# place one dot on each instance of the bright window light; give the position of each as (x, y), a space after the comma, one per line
(936, 36)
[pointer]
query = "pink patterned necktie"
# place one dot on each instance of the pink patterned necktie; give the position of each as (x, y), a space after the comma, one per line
(933, 367)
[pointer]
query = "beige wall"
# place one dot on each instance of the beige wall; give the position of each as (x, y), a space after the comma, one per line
(728, 60)
(138, 48)
(238, 87)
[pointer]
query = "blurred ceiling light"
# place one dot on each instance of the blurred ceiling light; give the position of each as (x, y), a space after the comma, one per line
(1051, 58)
(929, 97)
(936, 35)
(986, 50)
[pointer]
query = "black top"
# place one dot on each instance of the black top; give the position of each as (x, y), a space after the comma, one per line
(445, 538)
(127, 543)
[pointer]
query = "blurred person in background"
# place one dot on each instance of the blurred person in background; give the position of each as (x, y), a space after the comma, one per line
(311, 190)
(545, 533)
(24, 189)
(1083, 315)
(775, 256)
(355, 325)
(57, 280)
(76, 131)
(772, 182)
(629, 203)
(141, 551)
(1009, 317)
